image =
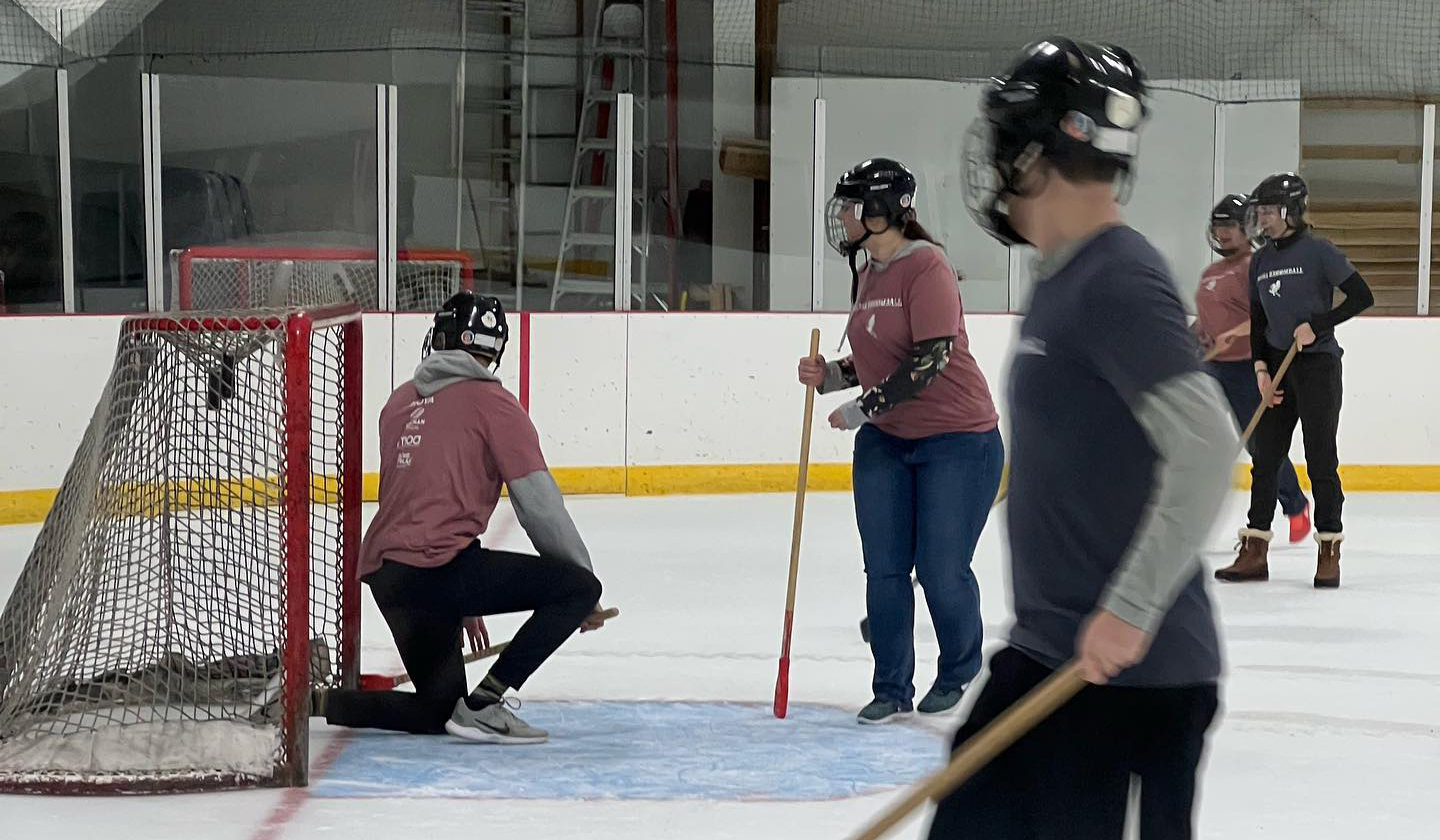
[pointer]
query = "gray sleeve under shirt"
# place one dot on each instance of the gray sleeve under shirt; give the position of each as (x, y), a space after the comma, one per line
(540, 507)
(1195, 441)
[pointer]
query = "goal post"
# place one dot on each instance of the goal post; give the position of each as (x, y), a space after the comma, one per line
(235, 276)
(196, 576)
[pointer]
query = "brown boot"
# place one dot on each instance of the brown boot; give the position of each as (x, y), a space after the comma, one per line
(1253, 562)
(1327, 566)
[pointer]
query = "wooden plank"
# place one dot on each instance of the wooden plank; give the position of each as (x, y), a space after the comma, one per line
(1397, 276)
(746, 157)
(1385, 219)
(1400, 153)
(1325, 103)
(1365, 205)
(1383, 253)
(1348, 237)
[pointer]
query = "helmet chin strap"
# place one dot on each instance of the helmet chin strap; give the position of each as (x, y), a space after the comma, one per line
(852, 249)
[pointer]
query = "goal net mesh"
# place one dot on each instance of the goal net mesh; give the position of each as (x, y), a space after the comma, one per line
(194, 562)
(224, 277)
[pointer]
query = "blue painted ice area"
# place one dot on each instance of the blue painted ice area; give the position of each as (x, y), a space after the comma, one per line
(646, 750)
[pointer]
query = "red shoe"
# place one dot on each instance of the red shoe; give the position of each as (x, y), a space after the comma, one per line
(1300, 525)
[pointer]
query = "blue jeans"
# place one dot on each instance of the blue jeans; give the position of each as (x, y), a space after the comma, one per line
(1237, 380)
(921, 505)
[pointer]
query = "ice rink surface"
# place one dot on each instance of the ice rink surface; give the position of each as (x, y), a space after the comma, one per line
(662, 727)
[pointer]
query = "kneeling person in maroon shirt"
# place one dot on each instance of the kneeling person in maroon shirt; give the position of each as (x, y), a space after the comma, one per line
(448, 439)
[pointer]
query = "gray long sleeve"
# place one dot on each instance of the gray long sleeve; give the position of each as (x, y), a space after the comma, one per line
(540, 507)
(839, 375)
(1195, 440)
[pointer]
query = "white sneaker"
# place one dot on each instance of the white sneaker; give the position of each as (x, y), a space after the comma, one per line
(494, 724)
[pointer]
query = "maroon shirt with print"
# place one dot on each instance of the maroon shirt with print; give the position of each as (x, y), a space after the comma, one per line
(913, 297)
(1222, 303)
(442, 461)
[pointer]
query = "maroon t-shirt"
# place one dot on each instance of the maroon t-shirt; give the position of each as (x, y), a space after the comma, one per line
(1222, 303)
(443, 459)
(913, 297)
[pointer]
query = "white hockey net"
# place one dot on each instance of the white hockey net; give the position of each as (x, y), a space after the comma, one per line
(195, 576)
(225, 277)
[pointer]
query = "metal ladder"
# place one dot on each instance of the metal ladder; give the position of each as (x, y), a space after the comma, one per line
(616, 63)
(497, 43)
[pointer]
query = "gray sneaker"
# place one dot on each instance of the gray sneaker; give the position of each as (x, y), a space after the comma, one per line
(494, 724)
(883, 710)
(939, 700)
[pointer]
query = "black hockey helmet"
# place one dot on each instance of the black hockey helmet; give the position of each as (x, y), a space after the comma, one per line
(1063, 100)
(471, 322)
(1231, 210)
(876, 188)
(1284, 190)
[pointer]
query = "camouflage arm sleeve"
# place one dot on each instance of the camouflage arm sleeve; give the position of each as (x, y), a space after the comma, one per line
(927, 359)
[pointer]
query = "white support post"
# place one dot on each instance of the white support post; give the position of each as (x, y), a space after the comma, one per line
(154, 240)
(817, 210)
(457, 138)
(1427, 205)
(1217, 178)
(524, 176)
(389, 211)
(624, 195)
(382, 198)
(67, 206)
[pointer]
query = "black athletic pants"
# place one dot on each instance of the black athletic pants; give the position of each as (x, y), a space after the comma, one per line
(425, 607)
(1070, 777)
(1312, 398)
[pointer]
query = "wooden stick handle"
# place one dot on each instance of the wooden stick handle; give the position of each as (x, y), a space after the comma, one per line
(989, 742)
(801, 481)
(782, 676)
(1267, 397)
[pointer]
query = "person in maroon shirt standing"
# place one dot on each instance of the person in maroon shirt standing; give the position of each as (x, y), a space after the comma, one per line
(448, 439)
(928, 454)
(1222, 309)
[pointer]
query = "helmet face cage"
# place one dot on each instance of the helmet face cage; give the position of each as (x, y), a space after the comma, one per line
(990, 180)
(1245, 227)
(1287, 211)
(837, 210)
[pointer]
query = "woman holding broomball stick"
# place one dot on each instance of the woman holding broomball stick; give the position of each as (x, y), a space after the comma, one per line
(928, 453)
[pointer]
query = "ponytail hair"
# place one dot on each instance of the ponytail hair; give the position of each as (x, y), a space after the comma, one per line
(913, 230)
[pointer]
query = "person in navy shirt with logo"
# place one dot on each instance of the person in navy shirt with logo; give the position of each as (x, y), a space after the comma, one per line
(1292, 283)
(1222, 321)
(1121, 456)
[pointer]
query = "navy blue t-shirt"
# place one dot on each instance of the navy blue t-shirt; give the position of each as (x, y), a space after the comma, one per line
(1105, 329)
(1294, 280)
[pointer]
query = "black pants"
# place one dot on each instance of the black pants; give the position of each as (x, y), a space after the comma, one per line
(1237, 380)
(424, 608)
(1070, 777)
(1312, 398)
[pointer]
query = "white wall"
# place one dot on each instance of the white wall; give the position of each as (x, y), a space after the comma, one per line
(792, 170)
(610, 389)
(56, 368)
(733, 94)
(876, 118)
(1258, 142)
(577, 386)
(922, 123)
